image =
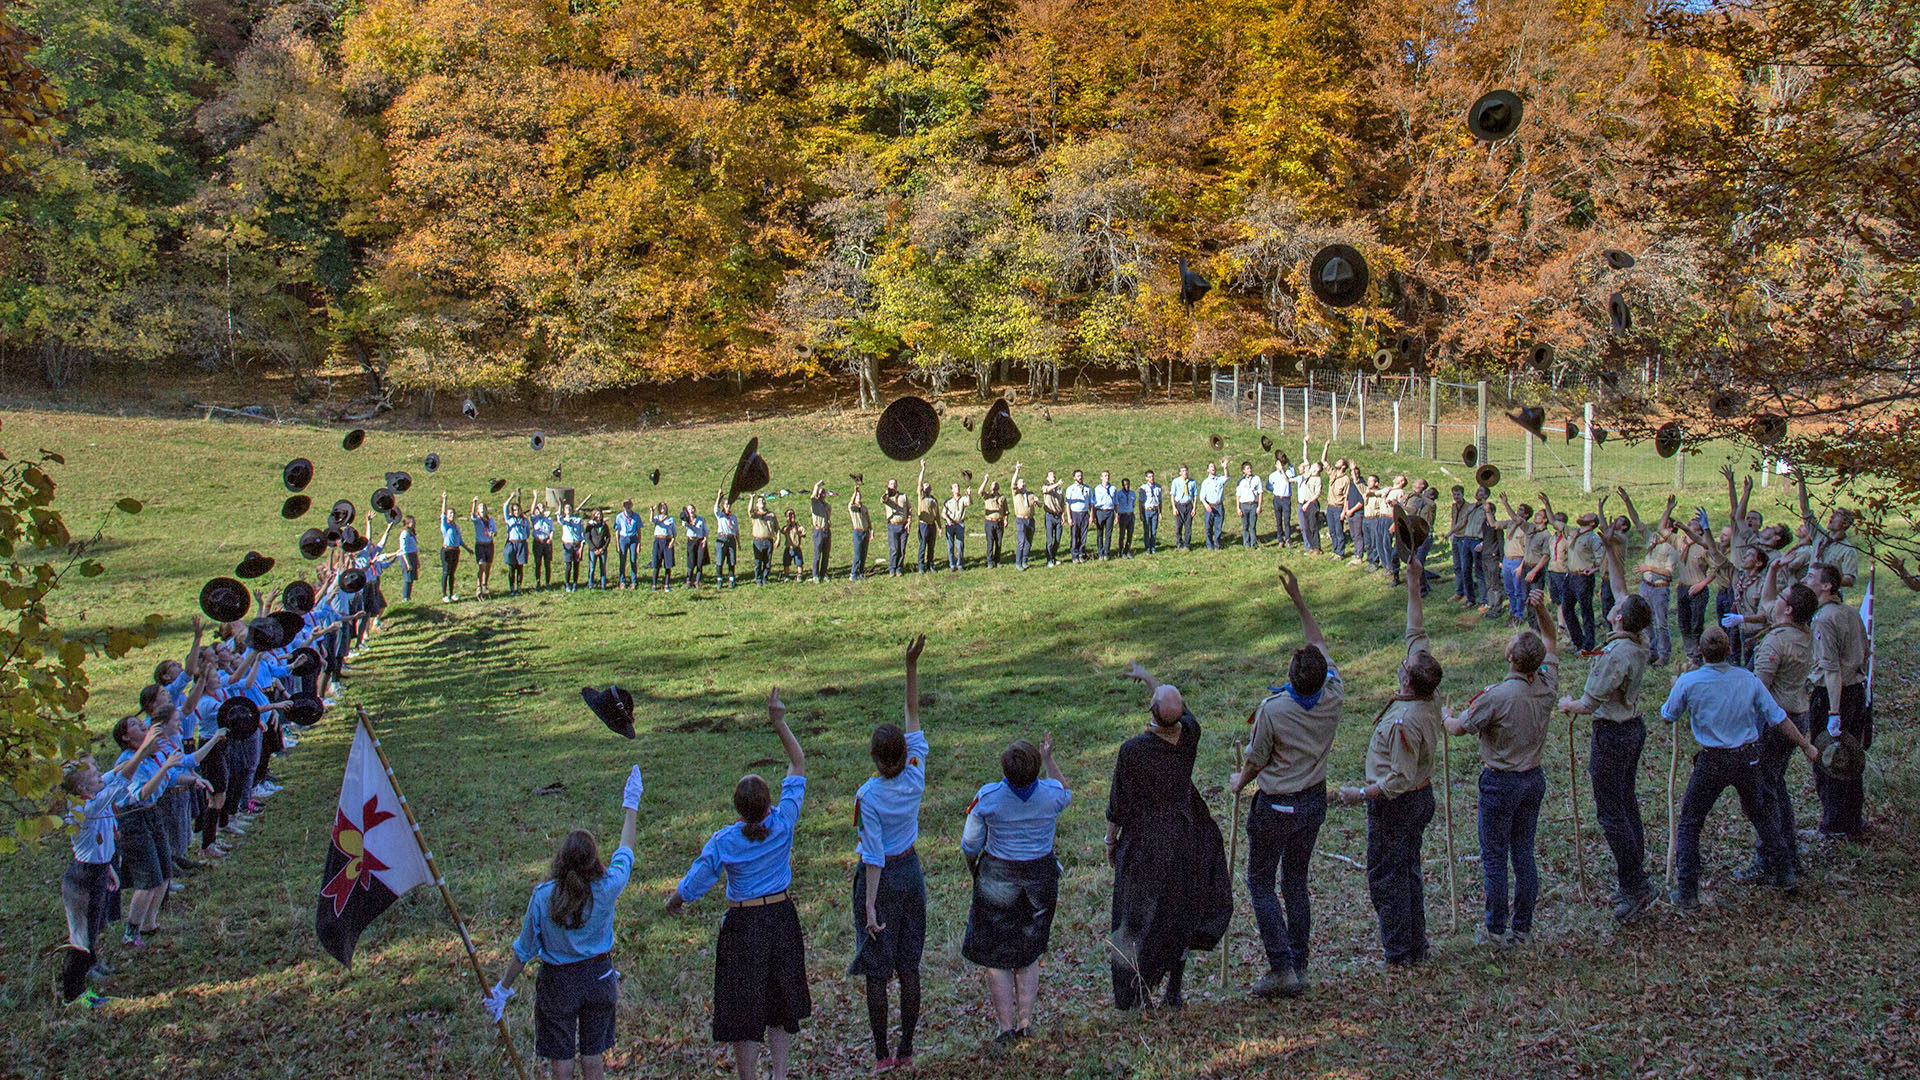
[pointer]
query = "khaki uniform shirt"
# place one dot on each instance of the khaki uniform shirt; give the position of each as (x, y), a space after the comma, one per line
(857, 516)
(1539, 548)
(929, 510)
(1375, 504)
(1473, 522)
(1585, 553)
(1613, 682)
(1308, 490)
(1290, 743)
(1512, 718)
(1337, 492)
(1426, 507)
(1053, 499)
(1557, 551)
(1782, 661)
(1023, 504)
(822, 513)
(955, 509)
(996, 507)
(1839, 645)
(1838, 554)
(896, 504)
(765, 526)
(1400, 755)
(796, 539)
(1693, 567)
(1515, 546)
(1661, 561)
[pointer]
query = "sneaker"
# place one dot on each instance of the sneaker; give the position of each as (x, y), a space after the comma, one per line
(1278, 984)
(1484, 936)
(1629, 908)
(253, 807)
(89, 999)
(99, 970)
(1684, 901)
(176, 886)
(133, 940)
(886, 1064)
(236, 827)
(217, 851)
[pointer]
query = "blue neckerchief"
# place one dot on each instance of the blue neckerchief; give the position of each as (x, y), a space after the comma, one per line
(1023, 791)
(1305, 701)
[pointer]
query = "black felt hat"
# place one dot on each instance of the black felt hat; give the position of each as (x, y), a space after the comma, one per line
(750, 473)
(539, 440)
(1573, 429)
(469, 410)
(290, 623)
(399, 482)
(1619, 313)
(1618, 259)
(998, 432)
(1769, 428)
(313, 543)
(381, 499)
(342, 513)
(1495, 116)
(614, 707)
(351, 541)
(1487, 476)
(1666, 440)
(303, 711)
(555, 473)
(1531, 417)
(907, 429)
(224, 600)
(654, 478)
(1338, 275)
(1266, 444)
(354, 439)
(352, 580)
(295, 507)
(266, 634)
(297, 474)
(431, 462)
(496, 486)
(298, 597)
(1192, 285)
(1409, 530)
(1469, 455)
(1541, 355)
(1840, 755)
(1600, 435)
(967, 422)
(305, 661)
(1724, 402)
(333, 534)
(253, 566)
(238, 716)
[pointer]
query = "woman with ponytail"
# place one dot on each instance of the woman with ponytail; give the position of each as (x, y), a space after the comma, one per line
(760, 965)
(569, 926)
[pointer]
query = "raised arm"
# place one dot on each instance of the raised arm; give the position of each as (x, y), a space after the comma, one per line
(1666, 516)
(981, 491)
(147, 747)
(1416, 609)
(913, 681)
(1308, 626)
(1633, 513)
(1734, 506)
(1547, 505)
(206, 748)
(1549, 633)
(1508, 507)
(719, 497)
(1046, 759)
(777, 712)
(1806, 504)
(1135, 671)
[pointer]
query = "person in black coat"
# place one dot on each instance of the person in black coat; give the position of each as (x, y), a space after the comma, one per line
(1172, 888)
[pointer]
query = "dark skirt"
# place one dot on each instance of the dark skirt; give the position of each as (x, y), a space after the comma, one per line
(902, 910)
(759, 974)
(516, 553)
(1011, 919)
(376, 600)
(1172, 891)
(483, 551)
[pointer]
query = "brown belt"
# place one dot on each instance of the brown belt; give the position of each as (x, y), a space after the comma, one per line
(760, 901)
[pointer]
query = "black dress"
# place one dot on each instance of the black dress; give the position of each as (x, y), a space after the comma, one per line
(1172, 889)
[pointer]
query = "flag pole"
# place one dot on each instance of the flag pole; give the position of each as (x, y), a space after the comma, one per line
(473, 959)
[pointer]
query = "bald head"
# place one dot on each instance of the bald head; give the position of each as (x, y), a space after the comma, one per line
(1168, 706)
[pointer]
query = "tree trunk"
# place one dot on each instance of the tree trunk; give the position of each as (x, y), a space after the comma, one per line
(1146, 378)
(426, 404)
(983, 380)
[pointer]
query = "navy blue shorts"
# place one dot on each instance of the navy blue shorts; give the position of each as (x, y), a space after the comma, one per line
(573, 1006)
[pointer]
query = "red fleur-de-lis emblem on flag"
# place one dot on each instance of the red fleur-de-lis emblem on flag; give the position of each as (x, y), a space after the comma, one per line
(351, 840)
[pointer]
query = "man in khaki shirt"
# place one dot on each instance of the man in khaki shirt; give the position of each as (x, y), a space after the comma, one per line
(861, 522)
(953, 515)
(1783, 661)
(995, 506)
(1829, 545)
(927, 517)
(1308, 492)
(1399, 790)
(1053, 504)
(1292, 733)
(1839, 692)
(1511, 718)
(1513, 558)
(1337, 536)
(1656, 571)
(765, 529)
(899, 517)
(1375, 517)
(1612, 698)
(822, 511)
(1025, 504)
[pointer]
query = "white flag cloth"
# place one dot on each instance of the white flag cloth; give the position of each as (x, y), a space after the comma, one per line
(373, 857)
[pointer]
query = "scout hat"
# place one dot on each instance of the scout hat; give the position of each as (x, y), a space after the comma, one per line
(495, 487)
(555, 473)
(305, 661)
(350, 540)
(342, 513)
(354, 439)
(750, 473)
(908, 429)
(469, 410)
(998, 432)
(253, 566)
(967, 422)
(432, 462)
(266, 634)
(1192, 285)
(381, 500)
(1409, 346)
(1338, 275)
(1724, 402)
(1266, 444)
(1541, 355)
(1666, 441)
(290, 623)
(1617, 259)
(1469, 455)
(654, 478)
(1620, 314)
(297, 474)
(238, 716)
(303, 711)
(295, 507)
(399, 482)
(313, 543)
(1573, 429)
(1530, 417)
(225, 600)
(1769, 428)
(353, 580)
(1409, 530)
(539, 440)
(1487, 476)
(1840, 756)
(1495, 116)
(298, 597)
(614, 707)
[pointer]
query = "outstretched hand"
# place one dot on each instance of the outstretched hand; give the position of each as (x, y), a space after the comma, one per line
(1135, 671)
(1046, 745)
(1289, 582)
(914, 648)
(776, 709)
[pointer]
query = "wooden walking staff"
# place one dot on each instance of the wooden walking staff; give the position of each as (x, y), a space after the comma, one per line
(1233, 851)
(1446, 781)
(1673, 828)
(1573, 797)
(473, 959)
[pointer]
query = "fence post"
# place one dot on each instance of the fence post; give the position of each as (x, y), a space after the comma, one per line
(1306, 414)
(1236, 391)
(1258, 393)
(1333, 411)
(1586, 452)
(1679, 471)
(1766, 466)
(1480, 423)
(1361, 388)
(1283, 408)
(1433, 417)
(1527, 438)
(1396, 426)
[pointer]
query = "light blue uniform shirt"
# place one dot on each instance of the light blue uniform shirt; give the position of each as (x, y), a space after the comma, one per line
(1725, 704)
(696, 528)
(1249, 490)
(573, 529)
(555, 944)
(177, 689)
(1011, 828)
(1184, 488)
(483, 530)
(141, 774)
(1123, 501)
(1213, 489)
(449, 533)
(1078, 497)
(409, 543)
(886, 812)
(1280, 483)
(725, 525)
(542, 527)
(626, 524)
(663, 527)
(516, 528)
(1103, 496)
(206, 715)
(93, 834)
(752, 869)
(1150, 495)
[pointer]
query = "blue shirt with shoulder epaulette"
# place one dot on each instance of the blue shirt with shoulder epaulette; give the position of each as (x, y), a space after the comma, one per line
(555, 944)
(752, 867)
(1009, 827)
(886, 810)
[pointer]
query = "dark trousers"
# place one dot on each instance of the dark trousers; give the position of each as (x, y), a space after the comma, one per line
(1077, 541)
(662, 562)
(630, 560)
(1776, 750)
(1509, 818)
(896, 548)
(1310, 526)
(543, 562)
(762, 561)
(1183, 525)
(409, 573)
(1337, 533)
(1216, 523)
(956, 546)
(1022, 541)
(1281, 830)
(1150, 530)
(995, 530)
(1516, 586)
(449, 566)
(597, 567)
(860, 538)
(1053, 538)
(1283, 518)
(1126, 536)
(1714, 771)
(1658, 636)
(1842, 800)
(1249, 524)
(696, 558)
(570, 555)
(1693, 619)
(1576, 609)
(1373, 535)
(1613, 761)
(1103, 531)
(1465, 552)
(927, 530)
(726, 558)
(1395, 828)
(822, 549)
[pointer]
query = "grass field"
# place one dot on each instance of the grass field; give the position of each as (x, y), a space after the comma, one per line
(478, 705)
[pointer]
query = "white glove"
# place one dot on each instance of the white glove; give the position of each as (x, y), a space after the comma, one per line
(1732, 619)
(630, 798)
(1833, 725)
(496, 1001)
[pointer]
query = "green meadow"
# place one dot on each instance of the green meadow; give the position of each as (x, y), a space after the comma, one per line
(478, 706)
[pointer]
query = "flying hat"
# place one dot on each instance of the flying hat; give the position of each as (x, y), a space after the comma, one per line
(614, 707)
(858, 478)
(342, 513)
(303, 711)
(1487, 476)
(352, 580)
(238, 714)
(1620, 314)
(967, 474)
(290, 623)
(539, 440)
(298, 597)
(555, 473)
(266, 634)
(313, 543)
(351, 541)
(399, 482)
(253, 566)
(1600, 435)
(305, 661)
(967, 422)
(381, 500)
(1573, 429)
(1410, 347)
(495, 487)
(1617, 259)
(1495, 116)
(907, 429)
(1469, 455)
(469, 410)
(1217, 442)
(432, 462)
(1409, 530)
(225, 600)
(1266, 444)
(1531, 417)
(1382, 359)
(295, 507)
(750, 473)
(1666, 440)
(1338, 275)
(654, 478)
(1541, 355)
(1192, 285)
(1724, 402)
(297, 474)
(1769, 428)
(354, 439)
(998, 432)
(332, 534)
(1841, 756)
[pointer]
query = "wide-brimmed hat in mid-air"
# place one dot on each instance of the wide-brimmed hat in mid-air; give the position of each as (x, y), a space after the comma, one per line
(354, 439)
(1495, 116)
(998, 432)
(907, 429)
(750, 473)
(253, 566)
(614, 707)
(297, 474)
(225, 600)
(1338, 275)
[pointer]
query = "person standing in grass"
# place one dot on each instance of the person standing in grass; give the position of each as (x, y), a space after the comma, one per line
(994, 512)
(1152, 497)
(1247, 494)
(726, 540)
(696, 543)
(1782, 660)
(450, 545)
(1079, 502)
(795, 557)
(87, 887)
(953, 513)
(663, 530)
(1053, 505)
(568, 927)
(889, 890)
(765, 529)
(517, 529)
(1292, 734)
(1213, 497)
(1839, 693)
(1124, 502)
(822, 511)
(1398, 791)
(1656, 570)
(626, 533)
(599, 538)
(540, 526)
(573, 537)
(483, 533)
(760, 965)
(1008, 843)
(1511, 718)
(1025, 503)
(899, 517)
(928, 518)
(1105, 507)
(1183, 491)
(860, 522)
(409, 556)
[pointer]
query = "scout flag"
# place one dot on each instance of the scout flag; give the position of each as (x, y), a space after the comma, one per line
(373, 857)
